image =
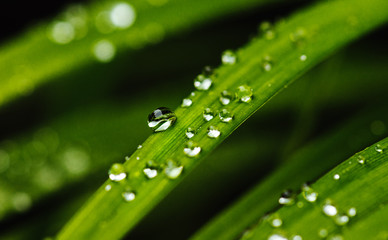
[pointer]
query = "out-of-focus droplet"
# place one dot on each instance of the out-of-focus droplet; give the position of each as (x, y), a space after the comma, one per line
(122, 15)
(229, 57)
(104, 51)
(213, 132)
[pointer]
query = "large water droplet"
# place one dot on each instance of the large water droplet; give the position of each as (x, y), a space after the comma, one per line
(104, 51)
(128, 196)
(173, 170)
(208, 114)
(202, 82)
(287, 198)
(379, 148)
(244, 93)
(267, 30)
(161, 119)
(229, 57)
(190, 132)
(329, 210)
(187, 102)
(122, 15)
(226, 97)
(150, 172)
(341, 220)
(308, 193)
(213, 132)
(117, 172)
(266, 63)
(192, 149)
(277, 237)
(225, 116)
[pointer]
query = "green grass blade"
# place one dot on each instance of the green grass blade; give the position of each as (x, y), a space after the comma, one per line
(346, 196)
(317, 157)
(107, 215)
(37, 57)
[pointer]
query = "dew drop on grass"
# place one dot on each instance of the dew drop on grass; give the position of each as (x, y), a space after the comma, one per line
(352, 212)
(128, 196)
(298, 37)
(266, 63)
(161, 119)
(378, 148)
(62, 32)
(329, 210)
(173, 170)
(213, 132)
(150, 172)
(277, 237)
(308, 193)
(287, 198)
(341, 219)
(108, 187)
(117, 172)
(336, 177)
(229, 57)
(202, 82)
(267, 30)
(297, 237)
(323, 233)
(139, 146)
(138, 158)
(187, 102)
(226, 97)
(190, 132)
(104, 51)
(225, 116)
(244, 93)
(361, 159)
(208, 114)
(276, 222)
(303, 58)
(192, 149)
(122, 15)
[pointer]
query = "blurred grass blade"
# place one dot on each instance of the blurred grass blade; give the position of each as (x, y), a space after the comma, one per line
(305, 165)
(97, 33)
(267, 66)
(346, 196)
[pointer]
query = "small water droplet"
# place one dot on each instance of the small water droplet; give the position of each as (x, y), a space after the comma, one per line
(303, 58)
(213, 132)
(336, 177)
(323, 233)
(229, 57)
(298, 37)
(138, 158)
(267, 30)
(226, 97)
(287, 198)
(161, 119)
(352, 212)
(361, 159)
(225, 116)
(192, 149)
(117, 172)
(108, 187)
(190, 132)
(266, 63)
(122, 15)
(150, 172)
(127, 158)
(173, 170)
(104, 51)
(128, 196)
(139, 147)
(329, 210)
(277, 222)
(244, 93)
(187, 102)
(308, 193)
(277, 237)
(202, 82)
(341, 219)
(297, 237)
(192, 94)
(208, 114)
(378, 148)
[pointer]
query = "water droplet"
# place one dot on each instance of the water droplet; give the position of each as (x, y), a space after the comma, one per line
(303, 58)
(207, 71)
(298, 37)
(336, 237)
(21, 201)
(229, 57)
(361, 159)
(62, 32)
(191, 149)
(244, 93)
(139, 147)
(225, 116)
(336, 177)
(108, 187)
(267, 30)
(300, 204)
(226, 97)
(378, 148)
(150, 172)
(173, 170)
(127, 158)
(117, 172)
(161, 119)
(187, 102)
(277, 222)
(128, 196)
(308, 193)
(122, 15)
(138, 158)
(208, 114)
(277, 237)
(287, 198)
(213, 132)
(341, 220)
(202, 82)
(104, 51)
(352, 212)
(192, 94)
(266, 63)
(323, 233)
(297, 237)
(190, 132)
(329, 210)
